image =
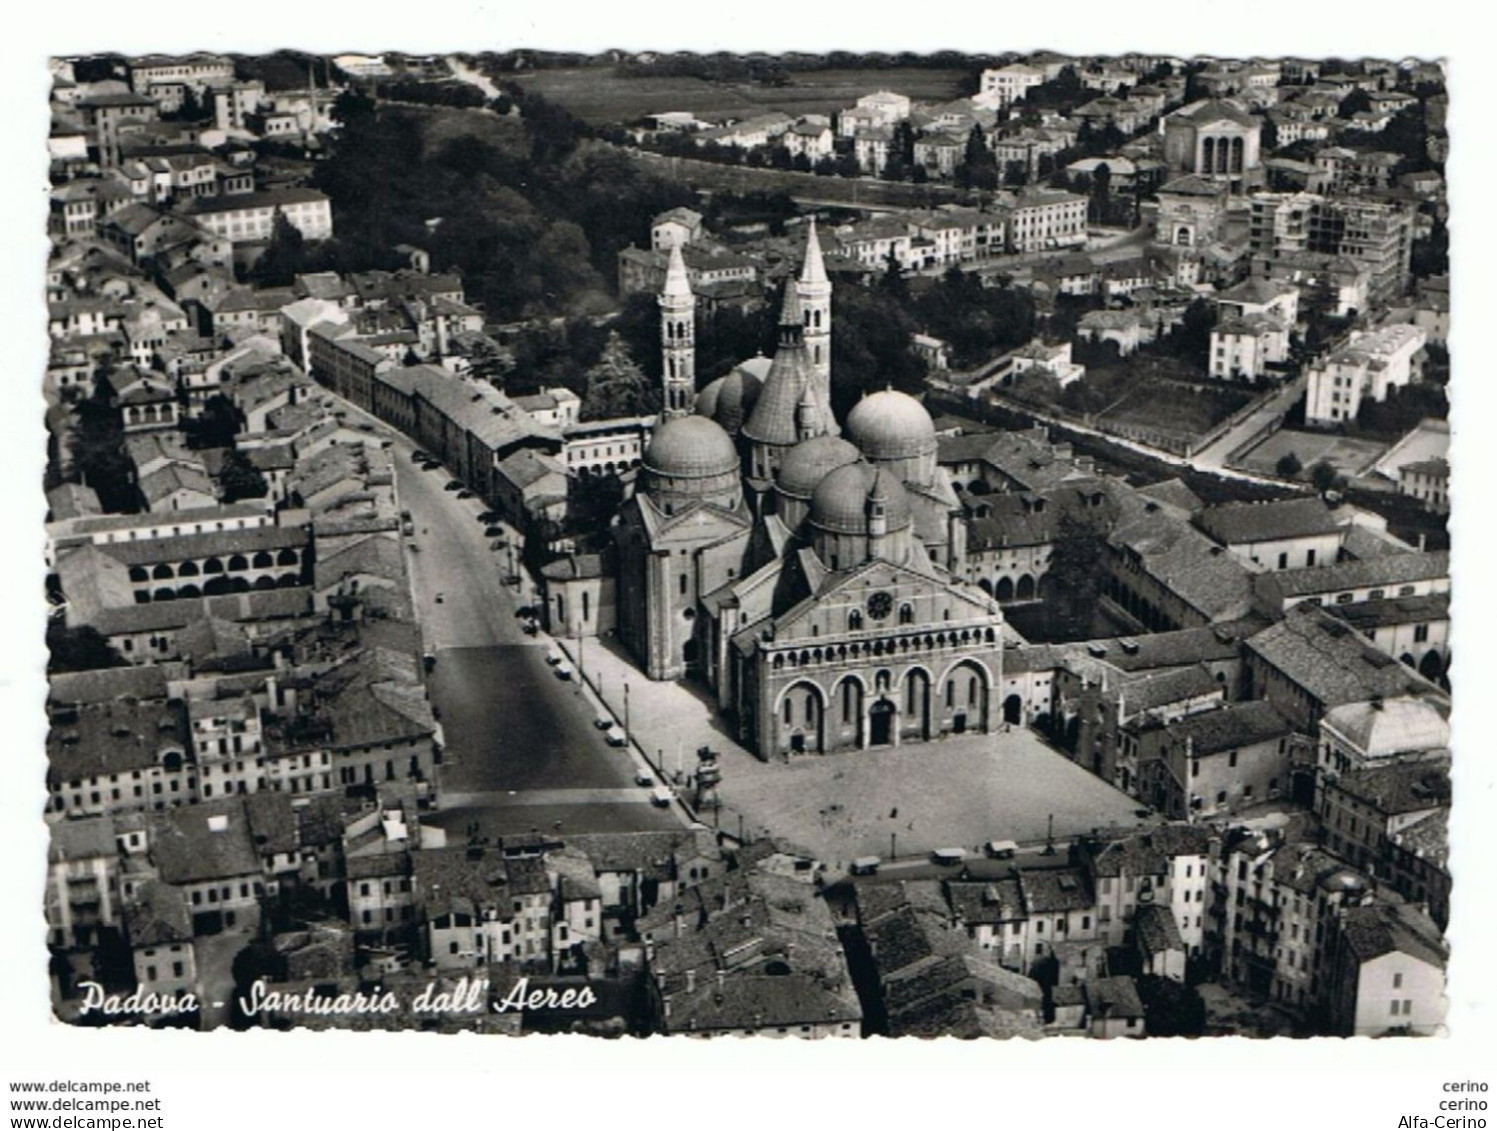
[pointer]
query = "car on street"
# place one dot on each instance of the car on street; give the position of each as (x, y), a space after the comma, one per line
(453, 485)
(531, 628)
(498, 544)
(865, 865)
(617, 737)
(661, 798)
(488, 516)
(419, 456)
(602, 722)
(465, 494)
(563, 670)
(494, 532)
(1000, 849)
(948, 856)
(553, 659)
(643, 779)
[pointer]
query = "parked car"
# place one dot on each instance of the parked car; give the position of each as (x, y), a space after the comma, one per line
(617, 737)
(948, 856)
(643, 779)
(661, 798)
(494, 532)
(419, 456)
(498, 544)
(865, 865)
(531, 628)
(563, 670)
(453, 485)
(465, 494)
(603, 722)
(553, 659)
(1000, 849)
(488, 516)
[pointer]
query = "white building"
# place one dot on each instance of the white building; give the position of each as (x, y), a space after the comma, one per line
(1006, 85)
(1371, 364)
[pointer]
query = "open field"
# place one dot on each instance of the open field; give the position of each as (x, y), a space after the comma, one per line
(1176, 408)
(440, 124)
(598, 96)
(1347, 455)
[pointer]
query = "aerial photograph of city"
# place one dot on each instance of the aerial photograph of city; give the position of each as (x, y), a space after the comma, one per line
(814, 544)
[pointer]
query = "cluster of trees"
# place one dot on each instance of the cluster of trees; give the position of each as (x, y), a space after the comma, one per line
(99, 457)
(775, 156)
(448, 93)
(534, 223)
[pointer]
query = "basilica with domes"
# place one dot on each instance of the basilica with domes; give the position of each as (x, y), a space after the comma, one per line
(808, 571)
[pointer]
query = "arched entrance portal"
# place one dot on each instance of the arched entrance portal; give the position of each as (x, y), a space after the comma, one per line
(1013, 710)
(881, 723)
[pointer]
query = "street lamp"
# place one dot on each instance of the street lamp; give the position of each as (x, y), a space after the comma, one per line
(626, 706)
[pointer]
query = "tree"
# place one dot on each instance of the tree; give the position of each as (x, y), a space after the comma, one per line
(1325, 476)
(1289, 466)
(99, 455)
(1077, 565)
(240, 479)
(78, 649)
(1171, 1008)
(1101, 201)
(215, 426)
(285, 256)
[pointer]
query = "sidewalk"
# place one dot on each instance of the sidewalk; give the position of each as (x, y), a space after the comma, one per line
(667, 723)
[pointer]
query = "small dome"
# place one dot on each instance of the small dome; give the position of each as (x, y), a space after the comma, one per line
(736, 398)
(706, 403)
(1383, 728)
(891, 425)
(840, 502)
(810, 461)
(690, 447)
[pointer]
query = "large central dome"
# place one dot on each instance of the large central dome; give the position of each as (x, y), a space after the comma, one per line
(844, 498)
(690, 447)
(891, 425)
(810, 461)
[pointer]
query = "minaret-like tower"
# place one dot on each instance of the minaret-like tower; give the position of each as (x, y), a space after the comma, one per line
(815, 292)
(678, 338)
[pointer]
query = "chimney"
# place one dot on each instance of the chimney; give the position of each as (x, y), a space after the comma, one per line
(722, 977)
(691, 981)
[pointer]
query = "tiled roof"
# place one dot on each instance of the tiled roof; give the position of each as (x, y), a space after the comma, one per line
(1376, 929)
(1230, 727)
(1237, 523)
(114, 737)
(1156, 929)
(1388, 570)
(1114, 997)
(1408, 787)
(1050, 890)
(1333, 663)
(206, 841)
(156, 915)
(1147, 853)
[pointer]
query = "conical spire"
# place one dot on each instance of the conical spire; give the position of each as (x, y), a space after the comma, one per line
(791, 313)
(677, 284)
(813, 270)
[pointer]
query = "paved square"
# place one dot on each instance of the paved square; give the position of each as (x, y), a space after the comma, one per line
(958, 792)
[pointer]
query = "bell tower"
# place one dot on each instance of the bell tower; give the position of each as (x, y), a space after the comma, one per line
(815, 292)
(678, 338)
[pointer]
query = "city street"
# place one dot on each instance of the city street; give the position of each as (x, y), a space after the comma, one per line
(521, 750)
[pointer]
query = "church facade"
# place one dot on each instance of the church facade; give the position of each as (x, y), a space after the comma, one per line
(808, 571)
